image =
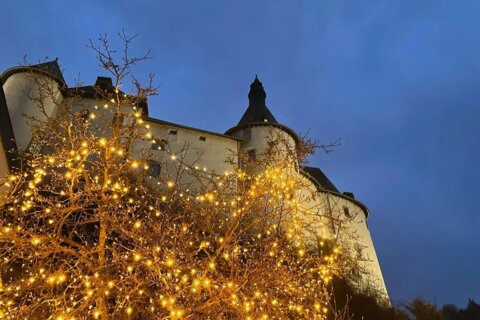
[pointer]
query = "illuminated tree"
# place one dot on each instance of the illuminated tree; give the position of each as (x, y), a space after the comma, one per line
(88, 233)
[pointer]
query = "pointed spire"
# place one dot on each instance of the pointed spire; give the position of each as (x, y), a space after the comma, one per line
(257, 95)
(257, 111)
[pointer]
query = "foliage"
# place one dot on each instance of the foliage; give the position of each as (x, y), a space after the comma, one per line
(361, 305)
(472, 312)
(424, 310)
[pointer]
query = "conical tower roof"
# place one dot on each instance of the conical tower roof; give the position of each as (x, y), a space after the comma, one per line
(257, 110)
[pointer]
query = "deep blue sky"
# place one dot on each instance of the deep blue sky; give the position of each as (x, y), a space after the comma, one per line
(398, 81)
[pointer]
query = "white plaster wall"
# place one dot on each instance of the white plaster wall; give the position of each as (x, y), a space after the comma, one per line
(259, 138)
(210, 157)
(210, 154)
(352, 232)
(18, 90)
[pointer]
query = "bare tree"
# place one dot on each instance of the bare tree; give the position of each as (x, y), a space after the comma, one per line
(87, 232)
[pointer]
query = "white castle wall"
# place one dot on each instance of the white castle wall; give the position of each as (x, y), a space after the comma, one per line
(258, 136)
(351, 230)
(209, 152)
(206, 151)
(19, 90)
(189, 152)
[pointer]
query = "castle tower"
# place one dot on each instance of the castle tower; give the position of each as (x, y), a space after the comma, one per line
(259, 127)
(255, 128)
(21, 86)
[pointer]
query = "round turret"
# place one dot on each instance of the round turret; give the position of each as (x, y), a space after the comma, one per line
(259, 127)
(39, 81)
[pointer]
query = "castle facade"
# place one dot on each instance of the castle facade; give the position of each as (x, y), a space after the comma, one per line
(207, 150)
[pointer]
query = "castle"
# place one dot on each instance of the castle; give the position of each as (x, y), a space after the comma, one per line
(208, 149)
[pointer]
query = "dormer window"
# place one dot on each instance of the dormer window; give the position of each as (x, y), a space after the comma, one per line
(265, 120)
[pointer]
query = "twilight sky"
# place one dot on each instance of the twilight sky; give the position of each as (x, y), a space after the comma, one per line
(398, 81)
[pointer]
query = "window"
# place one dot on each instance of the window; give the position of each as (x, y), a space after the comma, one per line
(346, 211)
(154, 168)
(245, 158)
(244, 133)
(172, 135)
(251, 154)
(202, 138)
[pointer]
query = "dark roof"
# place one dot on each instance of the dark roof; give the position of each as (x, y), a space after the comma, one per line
(192, 128)
(257, 111)
(321, 178)
(52, 68)
(102, 89)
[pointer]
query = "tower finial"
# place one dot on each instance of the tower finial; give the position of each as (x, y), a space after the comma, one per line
(257, 94)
